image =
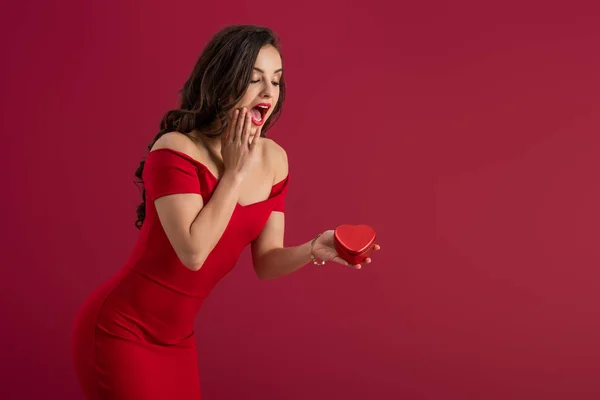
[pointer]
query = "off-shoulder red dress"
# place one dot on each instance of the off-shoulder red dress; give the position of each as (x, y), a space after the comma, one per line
(134, 335)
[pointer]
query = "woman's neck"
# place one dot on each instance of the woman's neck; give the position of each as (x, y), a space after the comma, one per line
(211, 144)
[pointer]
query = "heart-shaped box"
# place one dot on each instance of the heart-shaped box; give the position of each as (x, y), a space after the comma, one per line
(354, 243)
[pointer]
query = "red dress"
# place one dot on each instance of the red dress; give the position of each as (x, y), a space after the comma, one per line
(134, 336)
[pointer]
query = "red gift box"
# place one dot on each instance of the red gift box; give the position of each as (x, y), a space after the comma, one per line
(354, 243)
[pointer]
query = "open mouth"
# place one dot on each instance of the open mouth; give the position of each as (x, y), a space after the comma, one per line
(259, 112)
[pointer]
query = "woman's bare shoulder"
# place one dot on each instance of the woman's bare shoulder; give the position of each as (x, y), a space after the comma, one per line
(176, 141)
(277, 158)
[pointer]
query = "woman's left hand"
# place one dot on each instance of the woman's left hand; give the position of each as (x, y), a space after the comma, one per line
(324, 250)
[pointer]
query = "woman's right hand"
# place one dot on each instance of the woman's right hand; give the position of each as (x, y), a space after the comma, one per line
(239, 156)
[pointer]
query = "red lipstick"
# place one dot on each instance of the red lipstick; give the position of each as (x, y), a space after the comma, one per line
(259, 111)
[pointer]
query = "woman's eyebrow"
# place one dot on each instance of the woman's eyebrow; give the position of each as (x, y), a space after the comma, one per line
(262, 72)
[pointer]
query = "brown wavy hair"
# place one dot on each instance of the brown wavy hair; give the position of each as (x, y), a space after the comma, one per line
(218, 82)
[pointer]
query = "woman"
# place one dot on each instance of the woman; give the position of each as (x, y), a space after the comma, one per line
(213, 184)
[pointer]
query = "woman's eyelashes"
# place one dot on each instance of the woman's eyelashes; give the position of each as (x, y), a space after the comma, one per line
(258, 80)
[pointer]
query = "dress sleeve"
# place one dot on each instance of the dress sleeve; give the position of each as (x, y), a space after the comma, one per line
(279, 194)
(168, 172)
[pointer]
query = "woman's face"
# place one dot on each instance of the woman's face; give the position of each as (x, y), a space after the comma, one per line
(263, 91)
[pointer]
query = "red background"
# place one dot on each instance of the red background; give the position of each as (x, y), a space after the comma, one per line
(465, 133)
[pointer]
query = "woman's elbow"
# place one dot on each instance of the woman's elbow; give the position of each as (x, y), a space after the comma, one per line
(262, 273)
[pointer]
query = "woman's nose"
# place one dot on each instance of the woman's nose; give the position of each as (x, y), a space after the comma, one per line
(267, 90)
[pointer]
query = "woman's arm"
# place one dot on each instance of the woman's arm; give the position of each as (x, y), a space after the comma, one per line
(269, 256)
(192, 227)
(272, 260)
